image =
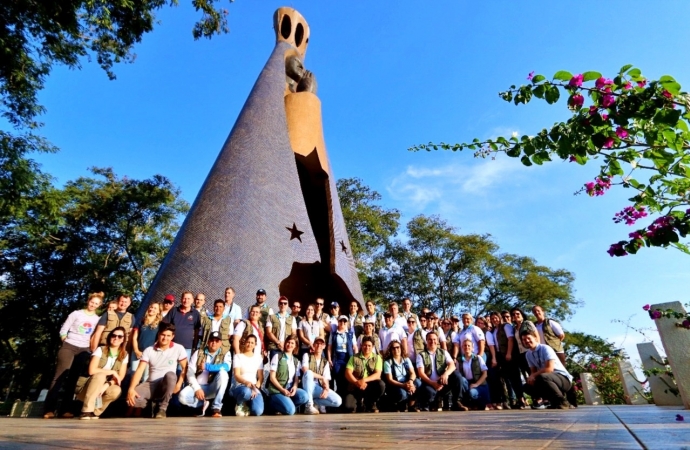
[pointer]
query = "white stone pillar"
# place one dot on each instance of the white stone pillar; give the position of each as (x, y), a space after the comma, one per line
(589, 389)
(662, 386)
(631, 388)
(676, 342)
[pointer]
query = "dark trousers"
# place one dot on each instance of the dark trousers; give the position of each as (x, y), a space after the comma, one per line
(70, 361)
(550, 386)
(340, 360)
(510, 371)
(428, 394)
(370, 395)
(160, 390)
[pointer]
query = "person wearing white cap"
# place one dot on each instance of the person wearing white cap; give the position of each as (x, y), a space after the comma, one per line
(340, 348)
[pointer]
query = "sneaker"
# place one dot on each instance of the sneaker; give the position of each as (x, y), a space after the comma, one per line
(538, 406)
(241, 410)
(49, 415)
(373, 409)
(87, 416)
(161, 414)
(204, 408)
(322, 409)
(460, 407)
(506, 405)
(310, 410)
(216, 413)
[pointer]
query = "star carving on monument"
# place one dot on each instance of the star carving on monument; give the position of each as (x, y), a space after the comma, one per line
(294, 232)
(343, 247)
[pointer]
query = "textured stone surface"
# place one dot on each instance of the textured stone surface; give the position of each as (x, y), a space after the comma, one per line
(589, 389)
(620, 427)
(676, 342)
(662, 386)
(631, 388)
(235, 233)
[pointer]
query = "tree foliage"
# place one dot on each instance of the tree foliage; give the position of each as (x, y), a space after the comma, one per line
(101, 233)
(637, 130)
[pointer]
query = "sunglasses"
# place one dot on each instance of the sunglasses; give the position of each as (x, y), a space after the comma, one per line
(282, 303)
(320, 304)
(342, 320)
(410, 321)
(168, 302)
(296, 306)
(118, 336)
(396, 347)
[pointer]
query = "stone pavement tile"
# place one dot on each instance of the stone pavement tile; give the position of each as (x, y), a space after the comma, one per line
(656, 426)
(594, 427)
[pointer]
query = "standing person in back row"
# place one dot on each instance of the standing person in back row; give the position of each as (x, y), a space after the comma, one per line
(550, 332)
(113, 319)
(232, 309)
(76, 337)
(279, 327)
(187, 321)
(264, 309)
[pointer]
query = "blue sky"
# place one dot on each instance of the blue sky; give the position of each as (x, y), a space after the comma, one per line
(394, 74)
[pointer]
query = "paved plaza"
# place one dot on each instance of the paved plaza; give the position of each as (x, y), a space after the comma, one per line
(615, 427)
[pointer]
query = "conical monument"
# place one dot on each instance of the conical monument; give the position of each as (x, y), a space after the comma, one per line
(268, 214)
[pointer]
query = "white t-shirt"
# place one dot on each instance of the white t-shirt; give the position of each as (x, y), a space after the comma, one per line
(78, 328)
(290, 366)
(305, 366)
(434, 376)
(311, 331)
(239, 331)
(163, 361)
(467, 367)
(555, 326)
(474, 333)
(400, 322)
(111, 359)
(490, 338)
(538, 358)
(388, 335)
(248, 366)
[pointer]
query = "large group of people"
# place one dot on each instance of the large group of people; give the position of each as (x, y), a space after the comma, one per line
(282, 362)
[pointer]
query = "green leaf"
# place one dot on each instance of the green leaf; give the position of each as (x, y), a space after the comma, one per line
(634, 72)
(682, 125)
(563, 75)
(525, 160)
(667, 79)
(539, 91)
(537, 78)
(672, 87)
(514, 152)
(590, 76)
(667, 117)
(552, 95)
(624, 68)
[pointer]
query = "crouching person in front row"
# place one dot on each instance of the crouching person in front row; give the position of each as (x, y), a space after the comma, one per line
(548, 379)
(207, 376)
(315, 378)
(162, 360)
(284, 395)
(474, 373)
(436, 369)
(363, 374)
(107, 369)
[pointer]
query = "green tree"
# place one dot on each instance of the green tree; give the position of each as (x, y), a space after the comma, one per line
(637, 130)
(452, 273)
(369, 225)
(583, 350)
(96, 234)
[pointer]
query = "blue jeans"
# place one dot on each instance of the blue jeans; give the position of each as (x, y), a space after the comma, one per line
(214, 391)
(287, 405)
(478, 396)
(399, 395)
(314, 391)
(242, 394)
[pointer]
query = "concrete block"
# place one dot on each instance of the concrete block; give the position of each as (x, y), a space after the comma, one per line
(664, 389)
(589, 389)
(676, 342)
(631, 387)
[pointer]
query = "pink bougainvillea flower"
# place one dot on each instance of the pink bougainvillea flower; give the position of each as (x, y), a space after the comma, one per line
(679, 418)
(593, 110)
(686, 323)
(576, 101)
(656, 314)
(646, 307)
(635, 235)
(608, 143)
(608, 100)
(572, 158)
(530, 75)
(621, 132)
(667, 94)
(576, 81)
(641, 83)
(604, 117)
(616, 250)
(627, 85)
(602, 82)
